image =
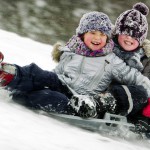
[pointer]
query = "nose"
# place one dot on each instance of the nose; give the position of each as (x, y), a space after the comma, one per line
(128, 37)
(97, 37)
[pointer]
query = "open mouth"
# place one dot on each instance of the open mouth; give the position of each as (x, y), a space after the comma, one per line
(95, 43)
(129, 43)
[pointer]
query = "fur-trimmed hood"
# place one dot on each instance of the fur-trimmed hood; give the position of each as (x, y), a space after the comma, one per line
(56, 52)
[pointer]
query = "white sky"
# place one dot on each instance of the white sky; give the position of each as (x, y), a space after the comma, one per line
(22, 129)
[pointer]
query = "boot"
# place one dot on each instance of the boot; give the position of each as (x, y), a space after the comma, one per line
(7, 73)
(1, 57)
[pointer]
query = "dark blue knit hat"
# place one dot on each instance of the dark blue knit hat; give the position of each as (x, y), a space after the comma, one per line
(94, 21)
(133, 22)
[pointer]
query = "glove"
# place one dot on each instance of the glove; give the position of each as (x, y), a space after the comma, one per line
(135, 63)
(84, 105)
(87, 106)
(105, 102)
(143, 126)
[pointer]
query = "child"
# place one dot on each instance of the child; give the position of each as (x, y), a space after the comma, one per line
(130, 32)
(73, 45)
(87, 66)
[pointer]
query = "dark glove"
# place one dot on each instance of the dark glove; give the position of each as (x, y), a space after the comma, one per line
(142, 125)
(105, 103)
(83, 105)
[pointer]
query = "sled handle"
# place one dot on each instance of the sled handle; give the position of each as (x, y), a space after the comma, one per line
(114, 117)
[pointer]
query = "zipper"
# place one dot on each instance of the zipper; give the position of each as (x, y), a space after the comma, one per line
(80, 70)
(97, 78)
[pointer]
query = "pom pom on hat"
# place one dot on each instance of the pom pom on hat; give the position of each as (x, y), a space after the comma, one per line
(141, 7)
(94, 21)
(133, 22)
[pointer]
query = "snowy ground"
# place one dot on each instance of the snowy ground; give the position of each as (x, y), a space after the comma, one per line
(23, 129)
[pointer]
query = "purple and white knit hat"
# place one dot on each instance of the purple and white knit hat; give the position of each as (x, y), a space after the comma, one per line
(94, 21)
(133, 22)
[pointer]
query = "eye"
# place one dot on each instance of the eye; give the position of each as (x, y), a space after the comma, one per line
(92, 32)
(102, 34)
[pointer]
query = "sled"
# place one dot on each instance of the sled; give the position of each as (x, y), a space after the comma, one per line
(110, 124)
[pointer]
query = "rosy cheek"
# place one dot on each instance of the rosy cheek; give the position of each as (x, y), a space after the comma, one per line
(87, 40)
(105, 40)
(137, 43)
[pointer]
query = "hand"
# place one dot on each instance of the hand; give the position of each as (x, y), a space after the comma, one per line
(84, 105)
(142, 126)
(105, 102)
(86, 111)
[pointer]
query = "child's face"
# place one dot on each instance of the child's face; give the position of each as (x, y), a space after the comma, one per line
(95, 40)
(127, 42)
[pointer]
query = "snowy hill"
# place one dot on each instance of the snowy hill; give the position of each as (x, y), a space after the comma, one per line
(23, 129)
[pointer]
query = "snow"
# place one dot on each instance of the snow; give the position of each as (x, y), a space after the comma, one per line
(23, 129)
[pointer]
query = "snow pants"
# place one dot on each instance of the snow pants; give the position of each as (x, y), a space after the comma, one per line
(40, 89)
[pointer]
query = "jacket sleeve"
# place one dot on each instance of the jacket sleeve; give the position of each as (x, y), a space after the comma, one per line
(129, 76)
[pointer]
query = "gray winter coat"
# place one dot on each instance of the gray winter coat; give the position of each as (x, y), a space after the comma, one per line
(92, 75)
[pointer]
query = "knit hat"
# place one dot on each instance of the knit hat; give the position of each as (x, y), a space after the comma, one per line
(130, 99)
(94, 21)
(133, 22)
